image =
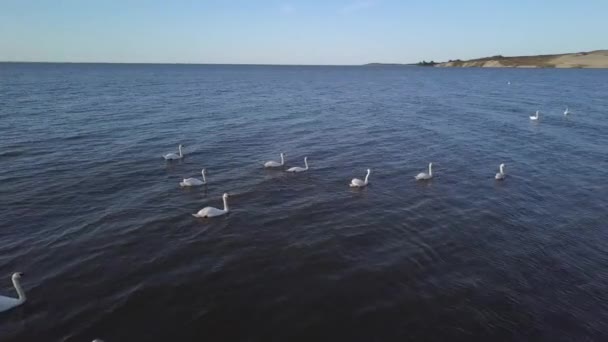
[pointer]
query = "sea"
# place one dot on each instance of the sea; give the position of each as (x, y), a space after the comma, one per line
(95, 218)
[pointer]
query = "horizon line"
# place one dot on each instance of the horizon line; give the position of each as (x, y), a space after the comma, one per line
(188, 63)
(231, 64)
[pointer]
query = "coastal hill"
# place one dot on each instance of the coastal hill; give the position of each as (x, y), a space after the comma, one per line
(593, 59)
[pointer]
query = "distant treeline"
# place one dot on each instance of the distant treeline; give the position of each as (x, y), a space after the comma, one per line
(425, 63)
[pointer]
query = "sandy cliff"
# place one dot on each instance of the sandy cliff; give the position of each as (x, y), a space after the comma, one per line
(593, 59)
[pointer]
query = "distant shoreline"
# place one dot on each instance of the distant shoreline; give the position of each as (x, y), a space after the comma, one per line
(597, 59)
(167, 63)
(582, 60)
(389, 64)
(213, 64)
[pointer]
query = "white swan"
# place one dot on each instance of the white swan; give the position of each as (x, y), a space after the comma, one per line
(501, 174)
(273, 163)
(299, 169)
(173, 156)
(7, 303)
(194, 181)
(357, 183)
(535, 116)
(566, 112)
(211, 211)
(424, 176)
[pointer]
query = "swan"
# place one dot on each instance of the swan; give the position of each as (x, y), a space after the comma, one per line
(211, 211)
(173, 156)
(7, 303)
(273, 163)
(501, 174)
(566, 112)
(299, 169)
(194, 181)
(424, 176)
(535, 116)
(357, 183)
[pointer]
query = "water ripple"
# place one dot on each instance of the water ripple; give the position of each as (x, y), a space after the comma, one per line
(95, 217)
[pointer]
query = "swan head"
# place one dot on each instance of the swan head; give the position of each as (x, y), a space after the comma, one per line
(282, 154)
(305, 158)
(17, 275)
(204, 171)
(225, 195)
(501, 165)
(369, 171)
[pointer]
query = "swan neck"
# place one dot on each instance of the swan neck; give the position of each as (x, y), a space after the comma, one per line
(282, 159)
(204, 179)
(502, 169)
(306, 163)
(430, 169)
(19, 290)
(180, 150)
(225, 204)
(367, 176)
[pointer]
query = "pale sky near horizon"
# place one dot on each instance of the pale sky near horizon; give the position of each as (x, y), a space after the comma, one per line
(295, 32)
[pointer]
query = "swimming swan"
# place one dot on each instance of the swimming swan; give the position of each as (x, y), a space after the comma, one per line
(566, 112)
(501, 175)
(7, 303)
(424, 176)
(173, 156)
(357, 183)
(299, 169)
(273, 163)
(194, 181)
(535, 117)
(212, 212)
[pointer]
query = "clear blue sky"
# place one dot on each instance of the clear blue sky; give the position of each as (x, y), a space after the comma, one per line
(295, 32)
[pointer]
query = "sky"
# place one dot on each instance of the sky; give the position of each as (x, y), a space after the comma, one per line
(334, 32)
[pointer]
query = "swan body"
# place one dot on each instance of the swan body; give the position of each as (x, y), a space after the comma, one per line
(535, 117)
(273, 163)
(425, 176)
(501, 174)
(357, 183)
(566, 112)
(213, 212)
(194, 181)
(299, 169)
(7, 303)
(174, 156)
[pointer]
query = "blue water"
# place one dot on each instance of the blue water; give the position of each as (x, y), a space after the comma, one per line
(96, 220)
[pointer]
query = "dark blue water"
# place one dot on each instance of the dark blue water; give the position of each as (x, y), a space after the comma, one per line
(94, 217)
